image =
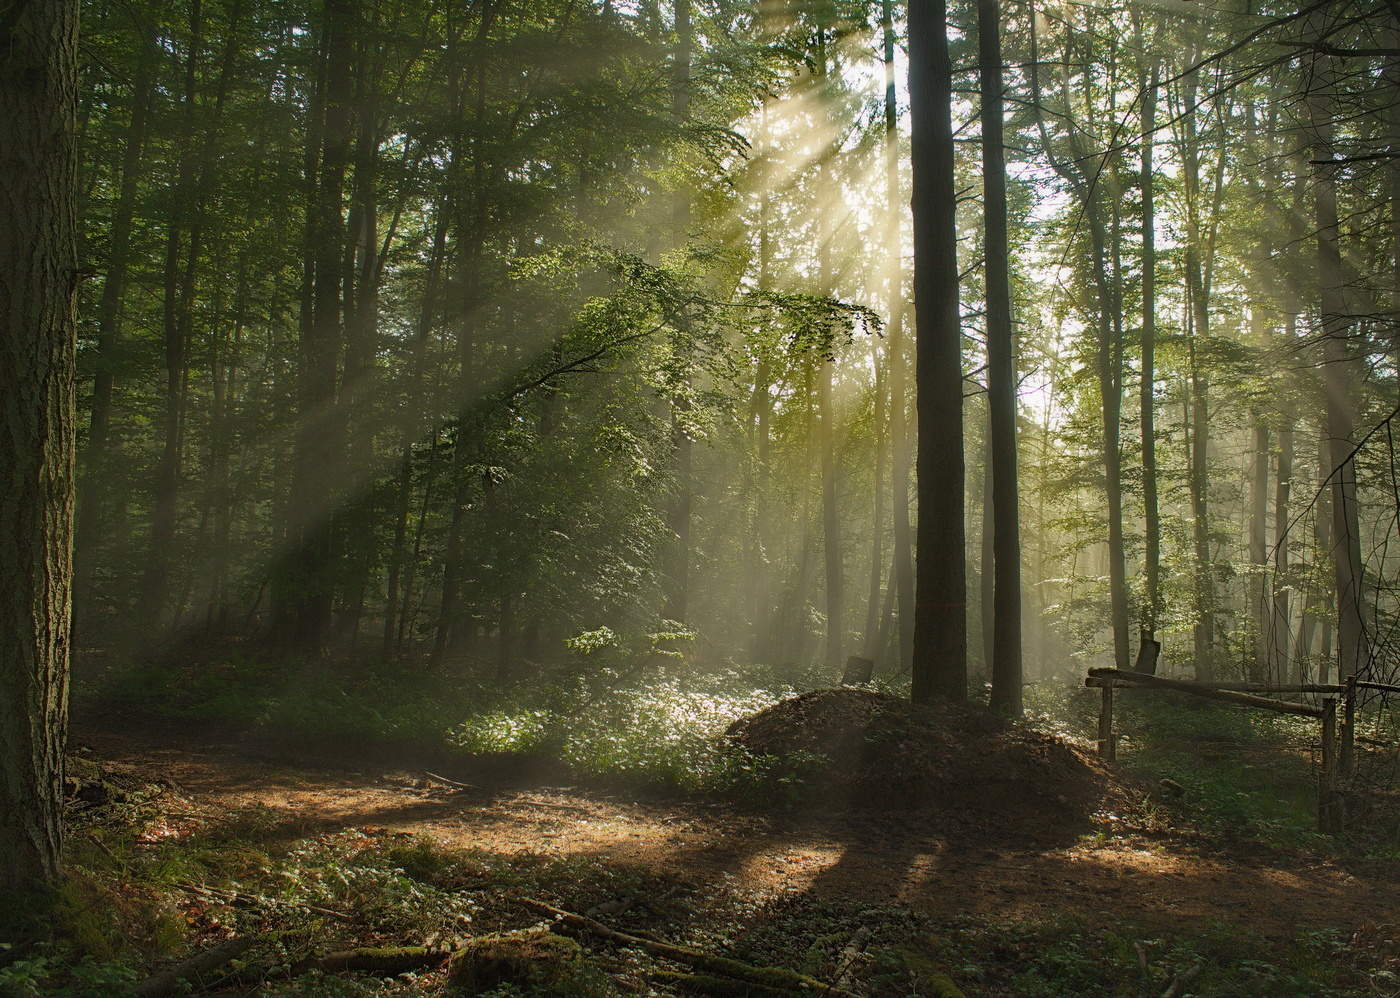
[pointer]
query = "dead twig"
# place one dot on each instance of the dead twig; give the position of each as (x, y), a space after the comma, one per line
(773, 978)
(1179, 982)
(228, 896)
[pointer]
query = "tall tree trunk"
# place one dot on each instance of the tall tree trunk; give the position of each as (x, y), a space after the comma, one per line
(986, 563)
(761, 417)
(1199, 262)
(1283, 484)
(1088, 188)
(940, 626)
(831, 522)
(1001, 374)
(1199, 442)
(1259, 547)
(1152, 527)
(412, 428)
(1339, 378)
(833, 556)
(97, 454)
(358, 536)
(38, 337)
(679, 515)
(155, 582)
(318, 470)
(871, 640)
(903, 556)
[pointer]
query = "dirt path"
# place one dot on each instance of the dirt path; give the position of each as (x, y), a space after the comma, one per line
(974, 869)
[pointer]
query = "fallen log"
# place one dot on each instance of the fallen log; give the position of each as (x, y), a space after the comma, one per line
(170, 981)
(777, 978)
(719, 987)
(380, 961)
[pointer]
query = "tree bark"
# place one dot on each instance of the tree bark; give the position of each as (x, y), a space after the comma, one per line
(1152, 527)
(1001, 374)
(309, 580)
(871, 637)
(903, 556)
(155, 581)
(1258, 546)
(1339, 378)
(940, 626)
(1283, 484)
(97, 453)
(38, 284)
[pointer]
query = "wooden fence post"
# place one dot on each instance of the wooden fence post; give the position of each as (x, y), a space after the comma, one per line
(1348, 730)
(1106, 747)
(1328, 820)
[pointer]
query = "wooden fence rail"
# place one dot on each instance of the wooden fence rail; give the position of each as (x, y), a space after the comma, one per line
(1336, 766)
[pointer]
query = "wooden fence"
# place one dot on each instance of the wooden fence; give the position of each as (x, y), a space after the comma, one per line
(1338, 760)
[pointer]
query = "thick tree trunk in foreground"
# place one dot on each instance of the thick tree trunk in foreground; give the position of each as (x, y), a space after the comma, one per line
(38, 279)
(940, 624)
(1001, 376)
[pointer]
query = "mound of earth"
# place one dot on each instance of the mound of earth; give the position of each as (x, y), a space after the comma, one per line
(881, 750)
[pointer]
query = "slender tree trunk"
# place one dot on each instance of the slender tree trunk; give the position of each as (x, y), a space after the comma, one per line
(986, 564)
(761, 416)
(1283, 484)
(155, 582)
(833, 556)
(940, 626)
(679, 515)
(318, 470)
(903, 556)
(38, 336)
(1259, 548)
(1001, 374)
(1199, 260)
(1152, 532)
(1204, 627)
(877, 519)
(97, 454)
(412, 427)
(358, 539)
(1088, 184)
(1340, 381)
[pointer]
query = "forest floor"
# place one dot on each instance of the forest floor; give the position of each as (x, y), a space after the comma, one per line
(1101, 870)
(1116, 900)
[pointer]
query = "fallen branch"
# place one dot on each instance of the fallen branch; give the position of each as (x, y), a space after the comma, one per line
(850, 956)
(774, 978)
(168, 982)
(719, 987)
(225, 895)
(381, 961)
(1182, 979)
(450, 783)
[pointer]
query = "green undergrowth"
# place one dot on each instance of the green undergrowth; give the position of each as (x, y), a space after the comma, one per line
(1065, 958)
(144, 891)
(910, 953)
(1236, 776)
(656, 727)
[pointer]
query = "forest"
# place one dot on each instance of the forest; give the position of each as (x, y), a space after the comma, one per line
(740, 498)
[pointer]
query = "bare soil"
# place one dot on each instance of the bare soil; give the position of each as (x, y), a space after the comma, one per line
(992, 861)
